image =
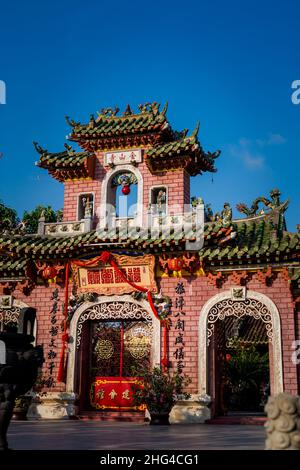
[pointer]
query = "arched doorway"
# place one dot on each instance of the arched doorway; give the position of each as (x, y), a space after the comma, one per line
(111, 339)
(222, 319)
(111, 190)
(17, 316)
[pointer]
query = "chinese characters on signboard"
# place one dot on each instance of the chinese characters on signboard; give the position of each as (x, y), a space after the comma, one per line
(114, 393)
(179, 326)
(122, 158)
(104, 279)
(110, 276)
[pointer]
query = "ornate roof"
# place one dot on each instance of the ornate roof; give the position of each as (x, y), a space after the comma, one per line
(244, 241)
(165, 149)
(183, 152)
(13, 267)
(109, 130)
(65, 165)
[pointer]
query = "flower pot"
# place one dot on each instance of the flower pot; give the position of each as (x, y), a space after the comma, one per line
(159, 418)
(21, 408)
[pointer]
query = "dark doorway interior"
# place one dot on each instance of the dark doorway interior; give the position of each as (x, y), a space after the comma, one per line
(241, 363)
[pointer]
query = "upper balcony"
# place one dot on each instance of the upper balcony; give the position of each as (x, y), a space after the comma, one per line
(59, 229)
(153, 220)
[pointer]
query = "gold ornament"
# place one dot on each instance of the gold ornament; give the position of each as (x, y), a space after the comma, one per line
(104, 349)
(138, 342)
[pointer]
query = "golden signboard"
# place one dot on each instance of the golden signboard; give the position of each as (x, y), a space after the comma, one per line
(105, 280)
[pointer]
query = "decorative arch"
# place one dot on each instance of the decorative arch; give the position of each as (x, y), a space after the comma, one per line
(108, 307)
(22, 315)
(106, 193)
(255, 304)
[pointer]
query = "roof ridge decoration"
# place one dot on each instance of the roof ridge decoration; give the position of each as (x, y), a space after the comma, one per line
(110, 130)
(151, 109)
(68, 164)
(39, 149)
(183, 151)
(148, 109)
(258, 242)
(270, 205)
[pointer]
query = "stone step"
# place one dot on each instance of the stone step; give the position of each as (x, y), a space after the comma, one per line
(242, 419)
(124, 416)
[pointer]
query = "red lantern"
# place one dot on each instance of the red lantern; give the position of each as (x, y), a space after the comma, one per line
(50, 272)
(126, 189)
(175, 264)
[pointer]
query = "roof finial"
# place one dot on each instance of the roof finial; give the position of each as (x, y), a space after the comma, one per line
(71, 122)
(38, 148)
(109, 112)
(214, 155)
(196, 130)
(127, 111)
(68, 147)
(92, 122)
(165, 109)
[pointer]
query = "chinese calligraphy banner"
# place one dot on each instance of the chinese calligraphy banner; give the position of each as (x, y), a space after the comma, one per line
(105, 280)
(114, 393)
(123, 157)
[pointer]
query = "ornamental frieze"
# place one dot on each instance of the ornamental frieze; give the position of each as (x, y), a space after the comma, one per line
(96, 276)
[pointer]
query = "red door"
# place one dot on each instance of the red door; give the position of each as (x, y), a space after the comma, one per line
(119, 349)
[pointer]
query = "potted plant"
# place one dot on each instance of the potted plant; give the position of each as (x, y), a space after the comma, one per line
(21, 407)
(247, 372)
(160, 391)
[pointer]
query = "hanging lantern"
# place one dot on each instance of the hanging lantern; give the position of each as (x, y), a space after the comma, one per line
(175, 264)
(126, 189)
(50, 272)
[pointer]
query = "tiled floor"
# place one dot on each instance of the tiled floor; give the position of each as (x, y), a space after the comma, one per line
(90, 435)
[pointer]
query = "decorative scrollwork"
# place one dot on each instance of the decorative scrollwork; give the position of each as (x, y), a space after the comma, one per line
(10, 315)
(104, 349)
(239, 309)
(111, 311)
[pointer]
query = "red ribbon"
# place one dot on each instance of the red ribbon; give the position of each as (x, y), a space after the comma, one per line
(107, 257)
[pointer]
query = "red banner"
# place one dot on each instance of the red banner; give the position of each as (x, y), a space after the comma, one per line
(114, 393)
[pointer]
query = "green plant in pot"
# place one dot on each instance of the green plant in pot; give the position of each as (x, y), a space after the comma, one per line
(160, 391)
(21, 407)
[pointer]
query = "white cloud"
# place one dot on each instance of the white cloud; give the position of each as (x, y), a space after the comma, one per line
(249, 151)
(272, 139)
(251, 159)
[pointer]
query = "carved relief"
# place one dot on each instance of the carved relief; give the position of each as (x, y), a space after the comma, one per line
(110, 311)
(239, 309)
(239, 278)
(266, 277)
(215, 279)
(282, 427)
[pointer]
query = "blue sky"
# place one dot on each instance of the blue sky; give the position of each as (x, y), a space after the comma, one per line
(228, 64)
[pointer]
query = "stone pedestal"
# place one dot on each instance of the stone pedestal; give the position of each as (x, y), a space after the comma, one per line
(283, 425)
(193, 410)
(52, 405)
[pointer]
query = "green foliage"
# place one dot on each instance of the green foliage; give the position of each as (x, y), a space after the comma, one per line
(246, 371)
(31, 218)
(8, 218)
(161, 389)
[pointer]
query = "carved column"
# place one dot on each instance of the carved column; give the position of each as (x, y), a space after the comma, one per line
(283, 425)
